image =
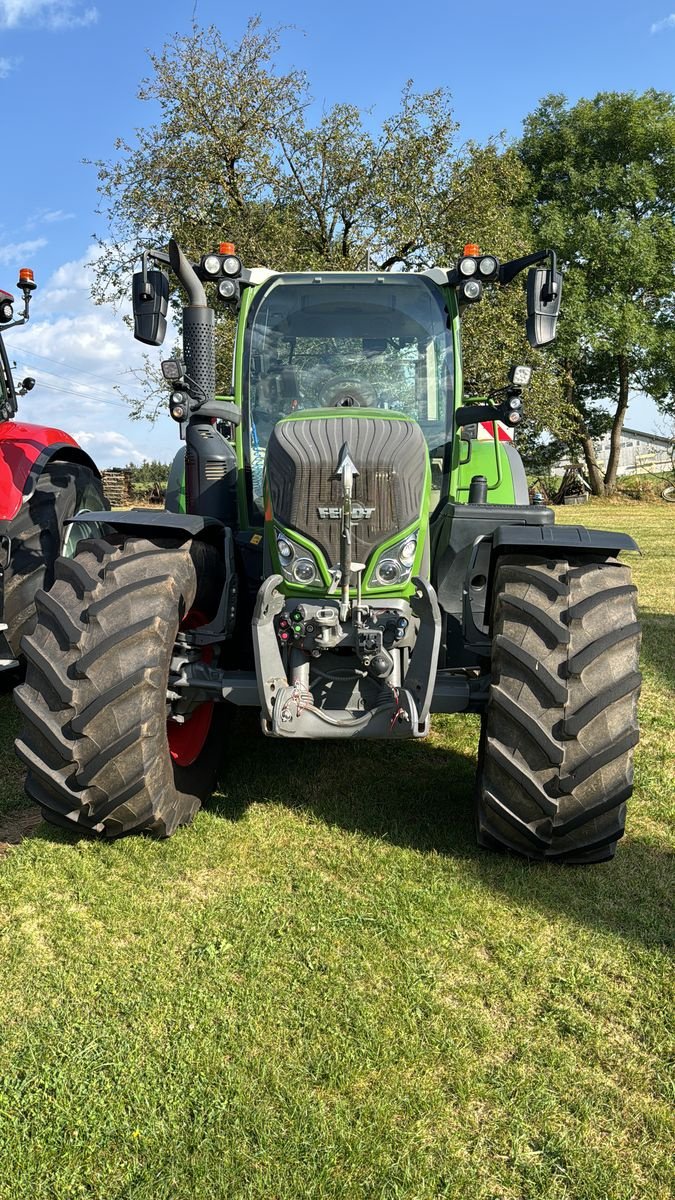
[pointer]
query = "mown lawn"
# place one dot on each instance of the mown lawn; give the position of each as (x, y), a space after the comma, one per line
(322, 989)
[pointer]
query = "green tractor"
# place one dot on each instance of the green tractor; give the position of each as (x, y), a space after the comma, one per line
(348, 547)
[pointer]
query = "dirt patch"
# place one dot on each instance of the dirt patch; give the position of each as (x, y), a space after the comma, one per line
(17, 825)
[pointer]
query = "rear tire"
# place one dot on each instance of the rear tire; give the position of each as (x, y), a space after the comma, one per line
(37, 534)
(556, 759)
(94, 703)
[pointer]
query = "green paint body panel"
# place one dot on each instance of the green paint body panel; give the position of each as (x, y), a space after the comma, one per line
(482, 458)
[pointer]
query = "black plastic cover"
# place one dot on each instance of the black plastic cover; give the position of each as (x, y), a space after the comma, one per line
(567, 537)
(154, 524)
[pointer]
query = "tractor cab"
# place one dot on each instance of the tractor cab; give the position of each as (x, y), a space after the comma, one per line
(378, 344)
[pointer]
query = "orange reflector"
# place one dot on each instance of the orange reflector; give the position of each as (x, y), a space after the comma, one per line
(471, 250)
(27, 274)
(226, 248)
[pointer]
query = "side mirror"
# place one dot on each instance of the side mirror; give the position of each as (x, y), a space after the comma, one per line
(151, 302)
(544, 289)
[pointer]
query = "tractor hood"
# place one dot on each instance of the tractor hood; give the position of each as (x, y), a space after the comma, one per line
(389, 466)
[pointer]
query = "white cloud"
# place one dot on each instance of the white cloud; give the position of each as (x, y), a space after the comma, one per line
(13, 253)
(109, 445)
(7, 65)
(78, 352)
(666, 23)
(47, 216)
(54, 14)
(57, 214)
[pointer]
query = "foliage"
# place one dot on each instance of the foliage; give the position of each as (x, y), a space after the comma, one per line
(602, 194)
(149, 472)
(232, 153)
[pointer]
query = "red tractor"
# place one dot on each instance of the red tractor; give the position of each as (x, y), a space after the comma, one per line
(45, 478)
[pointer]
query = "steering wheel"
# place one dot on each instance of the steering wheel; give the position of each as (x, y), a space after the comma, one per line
(347, 393)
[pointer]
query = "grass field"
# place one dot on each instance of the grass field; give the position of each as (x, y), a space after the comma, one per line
(323, 989)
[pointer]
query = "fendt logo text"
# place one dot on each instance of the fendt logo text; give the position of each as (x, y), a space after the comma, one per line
(360, 512)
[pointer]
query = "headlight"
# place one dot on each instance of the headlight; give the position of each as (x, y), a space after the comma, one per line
(231, 265)
(472, 289)
(388, 571)
(211, 264)
(304, 571)
(468, 266)
(396, 563)
(298, 564)
(408, 551)
(227, 288)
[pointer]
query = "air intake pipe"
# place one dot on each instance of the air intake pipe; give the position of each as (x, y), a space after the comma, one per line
(210, 461)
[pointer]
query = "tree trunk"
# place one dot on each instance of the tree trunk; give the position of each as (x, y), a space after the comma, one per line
(594, 472)
(617, 427)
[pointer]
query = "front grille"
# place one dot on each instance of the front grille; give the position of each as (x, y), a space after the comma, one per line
(390, 455)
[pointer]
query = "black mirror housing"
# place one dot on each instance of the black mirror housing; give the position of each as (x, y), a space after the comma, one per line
(544, 290)
(150, 303)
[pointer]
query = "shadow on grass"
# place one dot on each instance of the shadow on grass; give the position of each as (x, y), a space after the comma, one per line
(419, 795)
(409, 793)
(658, 645)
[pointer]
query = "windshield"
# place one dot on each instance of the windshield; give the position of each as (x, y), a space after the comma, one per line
(373, 341)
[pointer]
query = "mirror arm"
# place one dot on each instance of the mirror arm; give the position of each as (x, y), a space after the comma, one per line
(158, 256)
(186, 275)
(509, 270)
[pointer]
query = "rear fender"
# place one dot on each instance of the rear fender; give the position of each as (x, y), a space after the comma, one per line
(25, 450)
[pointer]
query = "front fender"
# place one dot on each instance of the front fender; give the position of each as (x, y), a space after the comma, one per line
(148, 524)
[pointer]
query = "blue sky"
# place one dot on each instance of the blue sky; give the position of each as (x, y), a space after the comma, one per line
(69, 71)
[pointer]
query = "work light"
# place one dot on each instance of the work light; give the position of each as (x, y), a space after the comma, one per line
(487, 266)
(472, 290)
(520, 376)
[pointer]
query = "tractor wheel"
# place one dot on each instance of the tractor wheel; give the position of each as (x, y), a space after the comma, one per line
(37, 536)
(556, 759)
(101, 754)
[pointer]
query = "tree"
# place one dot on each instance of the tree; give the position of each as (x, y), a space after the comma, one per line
(232, 155)
(602, 195)
(487, 188)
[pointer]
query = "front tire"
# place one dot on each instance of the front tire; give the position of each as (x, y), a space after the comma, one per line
(37, 534)
(94, 704)
(556, 759)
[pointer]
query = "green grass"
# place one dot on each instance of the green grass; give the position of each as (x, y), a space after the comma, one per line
(322, 989)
